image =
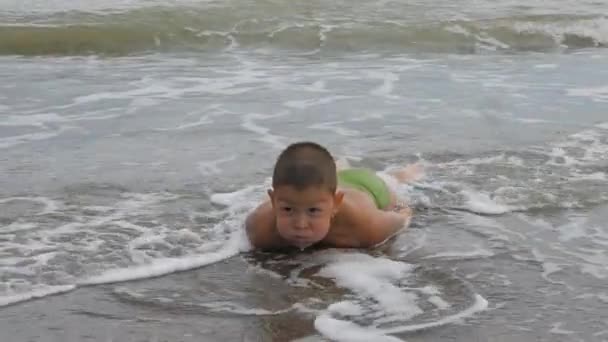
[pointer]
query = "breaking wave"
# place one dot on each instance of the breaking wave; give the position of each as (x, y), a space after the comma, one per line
(161, 29)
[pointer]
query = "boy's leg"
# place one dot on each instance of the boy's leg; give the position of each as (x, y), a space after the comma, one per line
(409, 173)
(342, 164)
(393, 178)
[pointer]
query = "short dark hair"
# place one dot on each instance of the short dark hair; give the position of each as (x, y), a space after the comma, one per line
(304, 164)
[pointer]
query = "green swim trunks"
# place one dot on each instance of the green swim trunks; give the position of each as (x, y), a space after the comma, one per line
(366, 180)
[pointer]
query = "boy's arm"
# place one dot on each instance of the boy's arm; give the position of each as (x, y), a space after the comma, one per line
(260, 229)
(381, 225)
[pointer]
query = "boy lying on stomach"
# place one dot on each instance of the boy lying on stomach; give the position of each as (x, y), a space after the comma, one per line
(311, 203)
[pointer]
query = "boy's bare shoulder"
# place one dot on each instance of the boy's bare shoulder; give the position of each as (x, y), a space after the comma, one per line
(260, 227)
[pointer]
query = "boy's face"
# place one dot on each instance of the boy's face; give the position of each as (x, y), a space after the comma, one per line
(303, 217)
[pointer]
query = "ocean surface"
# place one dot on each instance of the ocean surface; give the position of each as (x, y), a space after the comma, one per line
(136, 135)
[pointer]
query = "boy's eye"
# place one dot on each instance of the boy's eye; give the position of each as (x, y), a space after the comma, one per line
(287, 209)
(314, 210)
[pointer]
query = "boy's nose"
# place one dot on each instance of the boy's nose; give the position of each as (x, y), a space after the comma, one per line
(301, 222)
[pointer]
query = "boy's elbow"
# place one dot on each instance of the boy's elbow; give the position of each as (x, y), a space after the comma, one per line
(250, 230)
(387, 228)
(257, 231)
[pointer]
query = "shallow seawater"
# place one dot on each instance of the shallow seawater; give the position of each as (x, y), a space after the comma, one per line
(129, 157)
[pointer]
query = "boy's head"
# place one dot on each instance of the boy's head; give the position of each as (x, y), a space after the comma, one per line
(304, 196)
(304, 165)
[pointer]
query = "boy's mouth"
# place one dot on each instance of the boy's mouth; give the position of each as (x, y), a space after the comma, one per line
(301, 241)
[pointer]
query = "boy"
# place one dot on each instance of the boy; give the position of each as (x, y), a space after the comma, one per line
(311, 203)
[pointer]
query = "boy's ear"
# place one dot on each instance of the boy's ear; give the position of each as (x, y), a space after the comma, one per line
(338, 197)
(271, 195)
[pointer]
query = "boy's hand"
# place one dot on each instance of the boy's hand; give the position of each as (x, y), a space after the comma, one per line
(405, 211)
(410, 173)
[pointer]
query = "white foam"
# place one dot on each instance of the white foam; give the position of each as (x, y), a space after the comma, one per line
(482, 203)
(532, 121)
(595, 29)
(573, 230)
(150, 90)
(310, 338)
(86, 233)
(31, 120)
(439, 302)
(163, 266)
(545, 66)
(333, 127)
(317, 86)
(603, 125)
(430, 290)
(588, 260)
(324, 30)
(376, 279)
(550, 268)
(556, 328)
(50, 205)
(601, 296)
(38, 293)
(340, 330)
(303, 104)
(18, 226)
(139, 103)
(96, 115)
(515, 161)
(212, 167)
(263, 271)
(237, 309)
(588, 135)
(202, 121)
(479, 305)
(8, 142)
(217, 86)
(598, 94)
(598, 271)
(492, 43)
(228, 199)
(346, 308)
(250, 125)
(476, 161)
(475, 253)
(457, 29)
(388, 83)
